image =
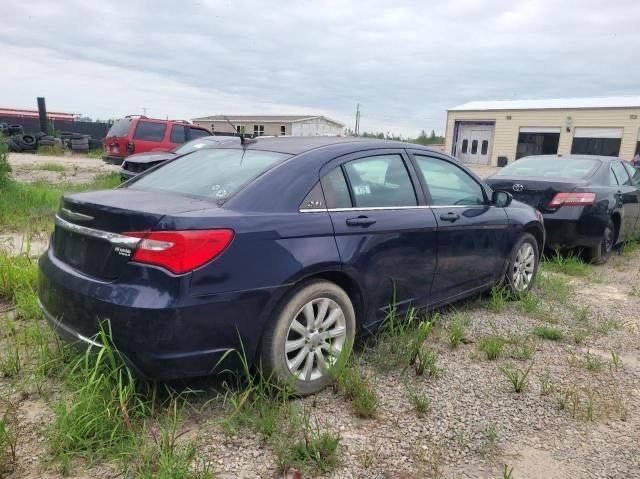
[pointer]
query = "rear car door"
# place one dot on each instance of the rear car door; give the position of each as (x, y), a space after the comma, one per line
(473, 235)
(178, 135)
(627, 199)
(149, 136)
(386, 235)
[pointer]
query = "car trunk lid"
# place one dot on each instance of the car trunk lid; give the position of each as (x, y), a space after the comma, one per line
(89, 226)
(536, 192)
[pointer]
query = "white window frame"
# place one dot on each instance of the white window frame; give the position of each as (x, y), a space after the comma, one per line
(283, 130)
(258, 130)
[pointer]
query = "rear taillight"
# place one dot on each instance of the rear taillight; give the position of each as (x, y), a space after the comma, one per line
(572, 199)
(131, 146)
(180, 251)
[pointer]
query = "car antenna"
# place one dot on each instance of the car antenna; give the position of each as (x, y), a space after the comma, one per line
(243, 140)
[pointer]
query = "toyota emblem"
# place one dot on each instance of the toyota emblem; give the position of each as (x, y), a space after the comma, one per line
(518, 187)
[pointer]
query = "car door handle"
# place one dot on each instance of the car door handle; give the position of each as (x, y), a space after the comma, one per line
(360, 221)
(450, 217)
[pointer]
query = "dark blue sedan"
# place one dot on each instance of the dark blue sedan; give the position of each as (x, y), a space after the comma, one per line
(287, 247)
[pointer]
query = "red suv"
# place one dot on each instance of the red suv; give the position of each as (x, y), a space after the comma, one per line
(139, 134)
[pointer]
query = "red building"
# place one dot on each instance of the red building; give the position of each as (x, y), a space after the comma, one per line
(8, 113)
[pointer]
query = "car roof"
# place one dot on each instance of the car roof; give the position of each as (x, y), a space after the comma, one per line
(574, 157)
(295, 145)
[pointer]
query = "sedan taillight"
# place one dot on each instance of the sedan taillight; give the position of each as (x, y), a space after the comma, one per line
(180, 251)
(572, 199)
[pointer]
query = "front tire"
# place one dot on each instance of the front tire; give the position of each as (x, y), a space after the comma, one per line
(311, 332)
(523, 264)
(600, 254)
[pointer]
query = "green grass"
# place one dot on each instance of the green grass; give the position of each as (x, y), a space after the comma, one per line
(100, 414)
(99, 153)
(55, 150)
(51, 167)
(354, 385)
(8, 440)
(569, 264)
(516, 376)
(31, 206)
(457, 329)
(629, 248)
(18, 283)
(546, 332)
(492, 346)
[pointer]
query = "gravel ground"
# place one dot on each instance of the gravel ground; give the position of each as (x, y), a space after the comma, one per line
(78, 169)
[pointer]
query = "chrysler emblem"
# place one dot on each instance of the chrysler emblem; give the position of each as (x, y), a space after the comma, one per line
(518, 187)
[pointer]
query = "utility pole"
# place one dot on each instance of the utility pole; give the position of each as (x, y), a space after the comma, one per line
(357, 129)
(144, 111)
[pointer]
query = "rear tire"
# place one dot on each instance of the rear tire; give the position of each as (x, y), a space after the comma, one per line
(600, 254)
(310, 332)
(523, 264)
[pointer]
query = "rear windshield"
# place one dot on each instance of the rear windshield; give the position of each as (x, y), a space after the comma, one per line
(120, 128)
(209, 173)
(554, 167)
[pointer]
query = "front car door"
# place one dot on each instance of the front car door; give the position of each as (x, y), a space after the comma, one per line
(386, 235)
(634, 173)
(473, 235)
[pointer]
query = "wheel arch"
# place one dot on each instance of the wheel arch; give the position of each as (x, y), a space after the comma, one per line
(537, 232)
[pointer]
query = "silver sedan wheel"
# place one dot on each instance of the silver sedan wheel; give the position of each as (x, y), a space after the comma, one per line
(315, 339)
(523, 267)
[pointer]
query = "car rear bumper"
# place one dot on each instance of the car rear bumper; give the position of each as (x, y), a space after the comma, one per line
(113, 160)
(574, 229)
(161, 338)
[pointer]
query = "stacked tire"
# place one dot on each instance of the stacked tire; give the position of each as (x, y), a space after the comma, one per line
(80, 143)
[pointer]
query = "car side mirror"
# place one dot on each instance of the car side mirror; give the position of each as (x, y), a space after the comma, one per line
(501, 199)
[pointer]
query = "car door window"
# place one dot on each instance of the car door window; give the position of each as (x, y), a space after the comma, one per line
(178, 134)
(621, 173)
(380, 181)
(448, 184)
(634, 173)
(150, 131)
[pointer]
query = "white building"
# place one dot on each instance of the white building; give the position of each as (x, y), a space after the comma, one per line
(272, 125)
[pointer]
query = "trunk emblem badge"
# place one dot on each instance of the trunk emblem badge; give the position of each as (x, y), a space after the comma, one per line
(518, 187)
(72, 215)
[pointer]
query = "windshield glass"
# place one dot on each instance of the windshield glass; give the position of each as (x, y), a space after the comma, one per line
(194, 145)
(120, 128)
(550, 167)
(210, 173)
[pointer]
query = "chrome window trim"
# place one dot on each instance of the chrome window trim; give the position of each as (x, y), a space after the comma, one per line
(377, 208)
(113, 238)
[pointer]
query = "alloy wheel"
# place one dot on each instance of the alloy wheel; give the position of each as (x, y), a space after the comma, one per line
(316, 337)
(523, 267)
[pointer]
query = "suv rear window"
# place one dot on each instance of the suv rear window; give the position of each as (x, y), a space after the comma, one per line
(150, 131)
(209, 173)
(120, 128)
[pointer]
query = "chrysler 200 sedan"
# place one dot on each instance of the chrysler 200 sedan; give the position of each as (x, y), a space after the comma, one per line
(284, 247)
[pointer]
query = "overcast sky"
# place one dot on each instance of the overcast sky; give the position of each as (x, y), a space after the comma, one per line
(406, 62)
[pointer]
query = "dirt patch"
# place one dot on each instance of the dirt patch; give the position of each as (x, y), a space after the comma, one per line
(77, 169)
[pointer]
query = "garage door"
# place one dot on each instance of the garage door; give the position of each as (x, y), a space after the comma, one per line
(597, 141)
(537, 141)
(474, 143)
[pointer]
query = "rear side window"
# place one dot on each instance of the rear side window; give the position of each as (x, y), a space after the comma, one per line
(621, 173)
(449, 185)
(150, 131)
(120, 128)
(210, 173)
(198, 133)
(379, 181)
(178, 134)
(336, 191)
